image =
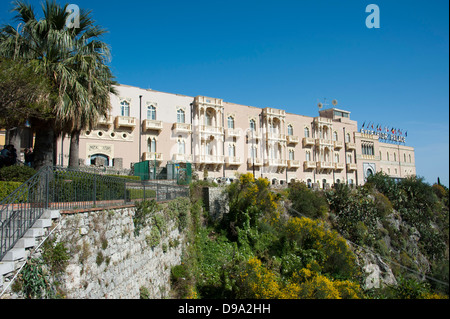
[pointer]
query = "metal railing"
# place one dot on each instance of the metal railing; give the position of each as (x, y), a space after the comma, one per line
(67, 189)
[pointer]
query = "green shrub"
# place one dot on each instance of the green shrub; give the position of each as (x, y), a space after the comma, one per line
(16, 173)
(6, 188)
(307, 202)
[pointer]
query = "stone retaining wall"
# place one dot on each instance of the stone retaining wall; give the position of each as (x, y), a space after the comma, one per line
(108, 260)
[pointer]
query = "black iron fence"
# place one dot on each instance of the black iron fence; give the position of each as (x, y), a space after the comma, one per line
(67, 189)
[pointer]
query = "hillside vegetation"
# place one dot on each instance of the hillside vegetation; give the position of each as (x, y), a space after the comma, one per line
(299, 243)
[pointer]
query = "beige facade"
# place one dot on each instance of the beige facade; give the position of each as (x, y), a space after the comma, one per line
(224, 139)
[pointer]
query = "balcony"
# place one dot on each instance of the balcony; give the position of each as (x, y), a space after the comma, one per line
(339, 166)
(350, 146)
(309, 165)
(307, 141)
(148, 156)
(293, 139)
(125, 121)
(210, 129)
(107, 121)
(152, 125)
(325, 165)
(182, 158)
(338, 144)
(258, 161)
(255, 134)
(323, 120)
(352, 167)
(324, 142)
(182, 127)
(275, 136)
(209, 159)
(275, 162)
(230, 132)
(232, 160)
(293, 163)
(274, 112)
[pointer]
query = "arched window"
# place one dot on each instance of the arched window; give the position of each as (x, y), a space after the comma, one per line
(291, 155)
(125, 108)
(308, 156)
(387, 156)
(347, 138)
(410, 158)
(306, 132)
(181, 116)
(181, 146)
(381, 156)
(336, 157)
(395, 157)
(151, 145)
(290, 130)
(151, 112)
(231, 122)
(208, 119)
(335, 136)
(404, 158)
(253, 125)
(231, 150)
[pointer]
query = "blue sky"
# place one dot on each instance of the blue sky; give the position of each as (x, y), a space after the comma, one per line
(292, 54)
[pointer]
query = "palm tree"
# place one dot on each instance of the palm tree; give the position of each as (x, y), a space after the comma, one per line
(74, 60)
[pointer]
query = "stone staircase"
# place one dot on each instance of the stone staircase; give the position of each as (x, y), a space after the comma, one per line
(15, 257)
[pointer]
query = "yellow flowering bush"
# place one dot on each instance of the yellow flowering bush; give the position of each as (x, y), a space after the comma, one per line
(256, 281)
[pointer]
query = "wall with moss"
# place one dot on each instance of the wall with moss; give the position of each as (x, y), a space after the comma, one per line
(113, 257)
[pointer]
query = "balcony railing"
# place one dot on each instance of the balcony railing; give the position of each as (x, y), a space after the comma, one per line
(125, 121)
(210, 129)
(182, 158)
(152, 125)
(232, 160)
(308, 141)
(230, 132)
(108, 120)
(325, 165)
(182, 127)
(323, 120)
(338, 144)
(352, 167)
(293, 139)
(324, 142)
(293, 163)
(149, 156)
(275, 136)
(256, 161)
(309, 165)
(209, 159)
(339, 166)
(275, 162)
(350, 146)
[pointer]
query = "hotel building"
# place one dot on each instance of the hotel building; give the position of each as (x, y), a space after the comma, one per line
(223, 139)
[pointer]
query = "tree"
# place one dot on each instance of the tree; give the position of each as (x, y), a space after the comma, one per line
(72, 59)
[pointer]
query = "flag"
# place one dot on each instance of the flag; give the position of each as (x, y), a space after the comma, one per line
(364, 124)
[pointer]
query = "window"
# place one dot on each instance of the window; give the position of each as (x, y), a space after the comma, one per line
(349, 158)
(151, 146)
(254, 152)
(381, 156)
(404, 158)
(306, 132)
(290, 130)
(291, 155)
(395, 157)
(230, 122)
(180, 116)
(308, 156)
(253, 125)
(208, 119)
(231, 150)
(387, 156)
(125, 108)
(347, 138)
(410, 158)
(181, 146)
(151, 112)
(336, 157)
(335, 136)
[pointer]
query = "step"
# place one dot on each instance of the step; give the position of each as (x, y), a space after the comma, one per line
(26, 242)
(51, 214)
(34, 232)
(43, 223)
(14, 254)
(6, 267)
